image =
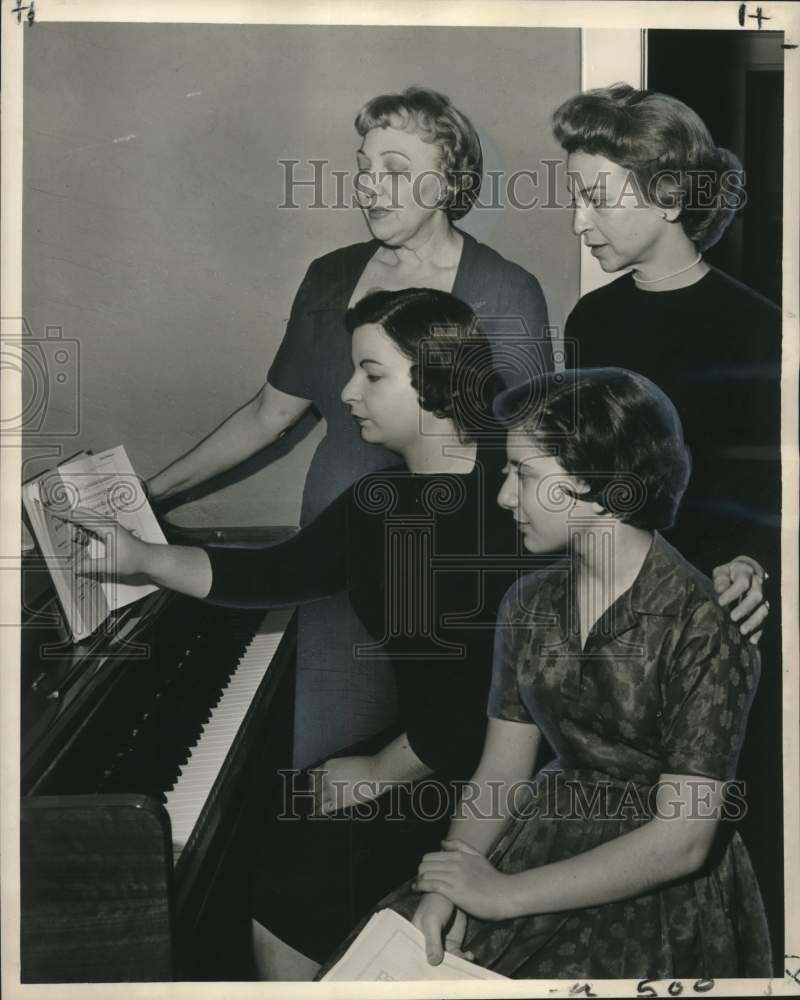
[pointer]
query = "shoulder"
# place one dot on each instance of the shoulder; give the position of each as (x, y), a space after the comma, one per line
(532, 594)
(601, 300)
(740, 296)
(510, 279)
(343, 260)
(692, 602)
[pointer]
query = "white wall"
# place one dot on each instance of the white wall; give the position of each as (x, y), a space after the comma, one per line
(152, 232)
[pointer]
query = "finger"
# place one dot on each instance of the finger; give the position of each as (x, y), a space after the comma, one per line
(721, 579)
(758, 617)
(82, 517)
(740, 585)
(435, 868)
(438, 856)
(751, 600)
(455, 950)
(425, 883)
(432, 930)
(459, 845)
(755, 637)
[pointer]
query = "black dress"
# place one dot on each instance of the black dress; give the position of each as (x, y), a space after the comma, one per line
(714, 347)
(338, 700)
(414, 553)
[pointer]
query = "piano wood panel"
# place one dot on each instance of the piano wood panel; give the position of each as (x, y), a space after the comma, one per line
(95, 889)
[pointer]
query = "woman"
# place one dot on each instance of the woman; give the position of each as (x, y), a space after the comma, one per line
(615, 861)
(419, 166)
(406, 546)
(652, 193)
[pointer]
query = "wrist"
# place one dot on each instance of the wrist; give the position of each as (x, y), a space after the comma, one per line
(145, 558)
(515, 896)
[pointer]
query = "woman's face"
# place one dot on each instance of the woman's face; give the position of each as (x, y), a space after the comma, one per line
(611, 215)
(381, 398)
(533, 492)
(399, 185)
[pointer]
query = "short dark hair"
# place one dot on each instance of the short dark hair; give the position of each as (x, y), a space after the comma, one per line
(434, 117)
(656, 136)
(615, 430)
(452, 366)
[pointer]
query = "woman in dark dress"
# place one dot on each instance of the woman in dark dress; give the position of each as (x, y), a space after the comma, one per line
(420, 167)
(652, 193)
(616, 861)
(424, 559)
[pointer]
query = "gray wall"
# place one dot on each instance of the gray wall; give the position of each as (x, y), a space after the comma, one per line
(152, 233)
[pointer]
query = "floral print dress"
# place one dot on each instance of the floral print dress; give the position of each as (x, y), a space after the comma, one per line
(662, 686)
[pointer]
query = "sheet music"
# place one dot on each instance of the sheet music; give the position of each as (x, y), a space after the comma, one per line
(107, 485)
(390, 949)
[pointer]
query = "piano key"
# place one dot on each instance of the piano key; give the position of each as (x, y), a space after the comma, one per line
(188, 792)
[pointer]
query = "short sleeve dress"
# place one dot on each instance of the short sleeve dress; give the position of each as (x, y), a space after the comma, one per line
(714, 347)
(663, 685)
(340, 698)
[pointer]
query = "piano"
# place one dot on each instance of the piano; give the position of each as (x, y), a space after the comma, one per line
(149, 755)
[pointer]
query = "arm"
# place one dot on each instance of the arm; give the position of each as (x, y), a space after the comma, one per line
(706, 690)
(508, 758)
(346, 781)
(283, 399)
(260, 422)
(671, 846)
(311, 564)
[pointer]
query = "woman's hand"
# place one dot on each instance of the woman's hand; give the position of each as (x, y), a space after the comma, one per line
(467, 879)
(438, 919)
(742, 581)
(344, 781)
(102, 547)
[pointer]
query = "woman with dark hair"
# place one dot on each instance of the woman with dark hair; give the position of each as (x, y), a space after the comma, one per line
(419, 172)
(405, 546)
(616, 860)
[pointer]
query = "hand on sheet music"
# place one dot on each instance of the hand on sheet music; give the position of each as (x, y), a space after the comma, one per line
(102, 547)
(467, 879)
(740, 583)
(444, 927)
(344, 781)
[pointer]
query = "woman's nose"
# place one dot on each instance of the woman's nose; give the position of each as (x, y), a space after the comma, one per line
(349, 391)
(507, 497)
(366, 187)
(580, 220)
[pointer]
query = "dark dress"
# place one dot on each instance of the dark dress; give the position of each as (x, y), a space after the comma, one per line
(340, 698)
(414, 554)
(663, 685)
(715, 349)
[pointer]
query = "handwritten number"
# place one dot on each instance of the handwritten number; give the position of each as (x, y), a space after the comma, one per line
(644, 989)
(675, 988)
(703, 985)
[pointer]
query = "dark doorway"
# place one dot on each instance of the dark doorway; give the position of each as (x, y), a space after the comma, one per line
(734, 81)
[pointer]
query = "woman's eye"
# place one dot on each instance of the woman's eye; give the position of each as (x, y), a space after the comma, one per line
(373, 378)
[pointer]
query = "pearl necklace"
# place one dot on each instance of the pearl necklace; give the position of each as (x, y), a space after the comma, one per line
(683, 270)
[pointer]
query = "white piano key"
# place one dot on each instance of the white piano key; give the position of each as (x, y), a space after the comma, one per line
(186, 798)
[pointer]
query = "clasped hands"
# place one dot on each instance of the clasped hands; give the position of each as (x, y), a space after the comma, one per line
(457, 881)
